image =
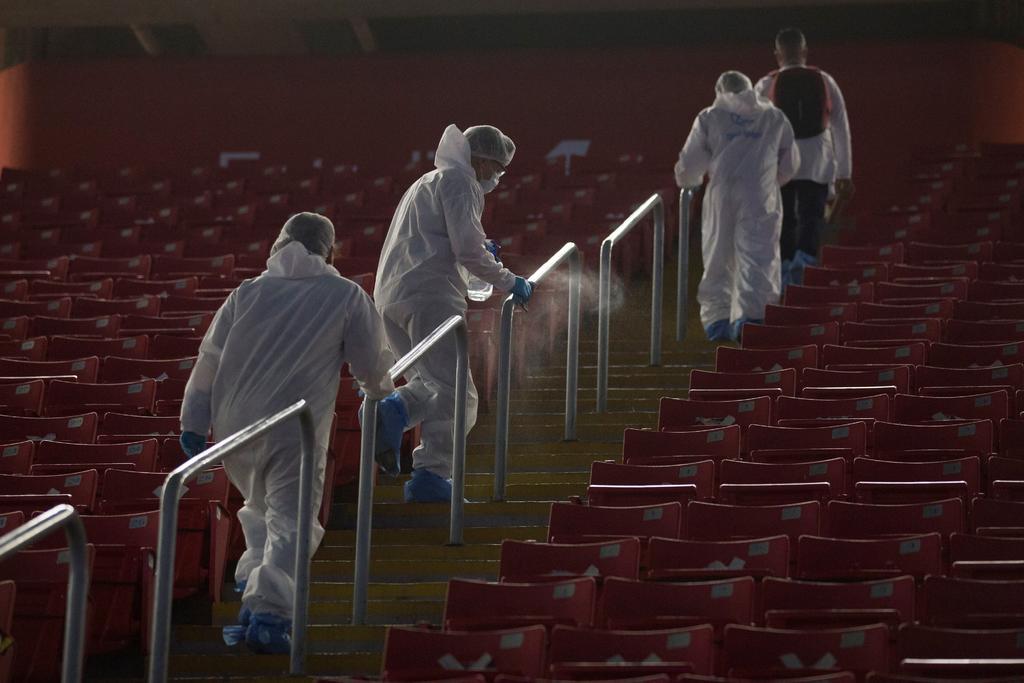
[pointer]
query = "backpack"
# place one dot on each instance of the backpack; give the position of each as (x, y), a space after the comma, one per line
(803, 96)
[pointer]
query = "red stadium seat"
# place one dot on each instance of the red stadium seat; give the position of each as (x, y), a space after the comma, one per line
(988, 310)
(993, 405)
(68, 398)
(802, 295)
(852, 436)
(975, 355)
(966, 603)
(969, 436)
(863, 520)
(966, 470)
(810, 315)
(142, 454)
(26, 349)
(942, 308)
(714, 522)
(104, 326)
(832, 276)
(85, 307)
(925, 329)
(716, 441)
(729, 359)
(588, 653)
(922, 252)
(841, 256)
(789, 603)
(675, 413)
(831, 472)
(764, 652)
(788, 336)
(842, 559)
(74, 428)
(640, 605)
(571, 523)
(528, 561)
(899, 376)
(869, 407)
(482, 605)
(686, 560)
(779, 379)
(22, 399)
(700, 474)
(630, 495)
(417, 653)
(85, 369)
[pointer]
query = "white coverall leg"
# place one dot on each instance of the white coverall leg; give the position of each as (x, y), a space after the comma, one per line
(429, 394)
(267, 475)
(758, 265)
(718, 249)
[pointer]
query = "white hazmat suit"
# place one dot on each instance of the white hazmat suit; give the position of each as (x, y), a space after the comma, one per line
(746, 147)
(280, 337)
(435, 239)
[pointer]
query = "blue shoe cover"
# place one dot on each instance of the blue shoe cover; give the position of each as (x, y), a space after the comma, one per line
(427, 487)
(392, 419)
(240, 586)
(800, 260)
(269, 634)
(736, 333)
(235, 633)
(718, 330)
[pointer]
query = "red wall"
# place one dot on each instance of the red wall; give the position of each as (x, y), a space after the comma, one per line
(373, 110)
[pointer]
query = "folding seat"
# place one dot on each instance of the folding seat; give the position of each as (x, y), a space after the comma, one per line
(700, 474)
(67, 398)
(172, 346)
(963, 470)
(942, 308)
(790, 603)
(81, 486)
(919, 641)
(105, 326)
(803, 295)
(831, 472)
(103, 288)
(677, 413)
(821, 558)
(529, 561)
(787, 336)
(866, 520)
(579, 653)
(898, 376)
(25, 398)
(852, 436)
(69, 348)
(57, 308)
(969, 436)
(1000, 468)
(15, 328)
(784, 379)
(967, 269)
(1007, 252)
(129, 287)
(16, 290)
(40, 602)
(57, 456)
(643, 446)
(16, 458)
(731, 359)
(870, 407)
(986, 557)
(981, 290)
(764, 652)
(1011, 438)
(714, 522)
(571, 523)
(825, 276)
(969, 603)
(171, 268)
(126, 369)
(984, 331)
(74, 428)
(912, 353)
(926, 329)
(483, 605)
(941, 381)
(57, 267)
(921, 289)
(994, 271)
(639, 605)
(1007, 489)
(922, 252)
(990, 517)
(25, 349)
(809, 315)
(182, 305)
(687, 560)
(833, 255)
(629, 495)
(974, 355)
(418, 653)
(993, 405)
(145, 305)
(88, 268)
(129, 423)
(988, 310)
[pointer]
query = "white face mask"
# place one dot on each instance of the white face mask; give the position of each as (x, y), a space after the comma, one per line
(489, 184)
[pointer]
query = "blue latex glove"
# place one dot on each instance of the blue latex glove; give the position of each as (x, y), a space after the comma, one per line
(522, 290)
(192, 443)
(494, 248)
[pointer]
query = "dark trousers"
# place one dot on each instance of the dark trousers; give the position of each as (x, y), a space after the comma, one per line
(803, 217)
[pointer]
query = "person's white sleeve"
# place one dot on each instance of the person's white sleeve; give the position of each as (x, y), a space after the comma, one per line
(462, 210)
(365, 348)
(196, 412)
(840, 126)
(762, 86)
(694, 158)
(789, 153)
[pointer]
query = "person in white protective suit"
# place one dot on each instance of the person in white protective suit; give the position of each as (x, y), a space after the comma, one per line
(746, 147)
(435, 242)
(278, 338)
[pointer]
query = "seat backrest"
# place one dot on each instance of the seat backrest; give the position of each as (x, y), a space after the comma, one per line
(730, 359)
(992, 405)
(973, 548)
(140, 395)
(787, 336)
(900, 376)
(74, 428)
(821, 558)
(975, 355)
(573, 523)
(967, 603)
(810, 315)
(752, 650)
(128, 485)
(121, 369)
(928, 329)
(898, 593)
(723, 441)
(842, 256)
(142, 453)
(962, 469)
(917, 640)
(694, 644)
(970, 436)
(700, 473)
(523, 561)
(867, 520)
(81, 486)
(869, 407)
(630, 604)
(803, 295)
(417, 652)
(769, 555)
(85, 369)
(69, 348)
(832, 471)
(852, 435)
(715, 522)
(126, 423)
(17, 457)
(678, 412)
(100, 326)
(23, 398)
(474, 605)
(784, 379)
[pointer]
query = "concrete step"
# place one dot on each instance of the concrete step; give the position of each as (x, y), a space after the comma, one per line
(407, 569)
(241, 664)
(673, 380)
(554, 429)
(379, 612)
(439, 535)
(419, 551)
(323, 639)
(482, 492)
(436, 515)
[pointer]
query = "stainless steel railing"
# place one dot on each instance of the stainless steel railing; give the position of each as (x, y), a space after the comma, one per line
(364, 517)
(61, 516)
(656, 205)
(171, 496)
(569, 253)
(683, 265)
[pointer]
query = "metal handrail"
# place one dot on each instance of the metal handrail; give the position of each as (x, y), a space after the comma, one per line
(364, 515)
(656, 204)
(570, 252)
(78, 576)
(173, 489)
(683, 267)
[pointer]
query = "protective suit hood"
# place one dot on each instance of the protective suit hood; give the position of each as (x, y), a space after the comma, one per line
(294, 262)
(746, 103)
(453, 151)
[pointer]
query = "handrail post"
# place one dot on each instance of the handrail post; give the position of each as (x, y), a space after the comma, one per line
(364, 511)
(170, 497)
(683, 265)
(654, 204)
(459, 436)
(78, 576)
(571, 253)
(306, 512)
